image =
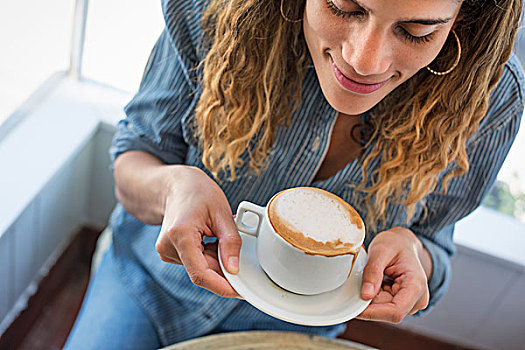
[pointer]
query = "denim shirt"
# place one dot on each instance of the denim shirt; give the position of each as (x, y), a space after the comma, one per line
(159, 121)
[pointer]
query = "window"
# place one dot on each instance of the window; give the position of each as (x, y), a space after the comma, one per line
(119, 37)
(34, 41)
(508, 194)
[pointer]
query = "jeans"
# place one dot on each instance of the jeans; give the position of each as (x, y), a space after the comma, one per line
(110, 317)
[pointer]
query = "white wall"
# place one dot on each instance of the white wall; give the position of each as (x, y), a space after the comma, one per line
(55, 179)
(483, 307)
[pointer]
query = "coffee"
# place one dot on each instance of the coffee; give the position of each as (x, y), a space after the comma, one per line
(307, 239)
(316, 221)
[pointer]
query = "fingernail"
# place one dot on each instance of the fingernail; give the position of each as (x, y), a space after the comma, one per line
(367, 289)
(233, 264)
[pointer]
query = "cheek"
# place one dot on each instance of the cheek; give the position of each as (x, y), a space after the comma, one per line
(411, 58)
(409, 62)
(419, 56)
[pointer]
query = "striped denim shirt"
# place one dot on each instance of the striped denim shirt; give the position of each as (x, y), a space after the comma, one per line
(158, 121)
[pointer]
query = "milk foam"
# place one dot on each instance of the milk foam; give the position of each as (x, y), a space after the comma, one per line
(317, 216)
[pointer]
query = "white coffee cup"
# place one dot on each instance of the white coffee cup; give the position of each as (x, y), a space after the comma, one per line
(289, 266)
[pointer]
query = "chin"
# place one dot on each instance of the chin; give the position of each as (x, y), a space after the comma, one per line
(351, 105)
(347, 102)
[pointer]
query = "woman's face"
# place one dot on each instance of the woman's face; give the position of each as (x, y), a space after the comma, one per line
(364, 49)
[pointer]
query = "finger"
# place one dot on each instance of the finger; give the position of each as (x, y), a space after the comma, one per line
(191, 255)
(211, 249)
(403, 302)
(166, 250)
(383, 297)
(211, 256)
(378, 260)
(422, 303)
(395, 311)
(419, 306)
(229, 244)
(381, 312)
(414, 311)
(387, 288)
(210, 252)
(171, 261)
(408, 294)
(213, 264)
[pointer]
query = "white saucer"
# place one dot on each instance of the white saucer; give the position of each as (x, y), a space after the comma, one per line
(336, 306)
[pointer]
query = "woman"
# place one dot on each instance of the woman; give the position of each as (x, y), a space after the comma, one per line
(405, 109)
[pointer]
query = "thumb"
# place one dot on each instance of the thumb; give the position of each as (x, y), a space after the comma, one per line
(378, 261)
(229, 243)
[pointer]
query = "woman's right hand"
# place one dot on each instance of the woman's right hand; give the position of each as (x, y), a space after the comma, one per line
(195, 206)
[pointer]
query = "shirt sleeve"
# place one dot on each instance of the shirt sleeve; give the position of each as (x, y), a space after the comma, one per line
(165, 99)
(486, 150)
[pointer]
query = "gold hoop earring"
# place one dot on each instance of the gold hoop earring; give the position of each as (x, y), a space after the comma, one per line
(288, 19)
(455, 62)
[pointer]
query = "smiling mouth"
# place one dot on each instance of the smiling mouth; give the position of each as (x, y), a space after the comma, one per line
(355, 86)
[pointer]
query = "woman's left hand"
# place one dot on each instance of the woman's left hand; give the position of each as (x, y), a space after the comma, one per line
(396, 253)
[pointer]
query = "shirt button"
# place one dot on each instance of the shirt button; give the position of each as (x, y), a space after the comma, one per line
(207, 316)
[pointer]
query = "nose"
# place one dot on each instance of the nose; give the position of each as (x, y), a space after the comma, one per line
(368, 51)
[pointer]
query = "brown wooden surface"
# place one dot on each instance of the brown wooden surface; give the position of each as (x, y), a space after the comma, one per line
(52, 310)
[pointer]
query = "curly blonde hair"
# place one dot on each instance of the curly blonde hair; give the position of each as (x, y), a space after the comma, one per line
(418, 131)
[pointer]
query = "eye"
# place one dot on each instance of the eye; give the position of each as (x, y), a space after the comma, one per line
(345, 14)
(414, 39)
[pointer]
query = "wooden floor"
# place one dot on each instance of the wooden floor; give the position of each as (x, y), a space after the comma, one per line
(46, 323)
(51, 328)
(51, 312)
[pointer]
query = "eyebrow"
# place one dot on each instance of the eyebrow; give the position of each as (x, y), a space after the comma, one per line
(427, 22)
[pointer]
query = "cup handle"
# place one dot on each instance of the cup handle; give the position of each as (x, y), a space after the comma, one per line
(252, 208)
